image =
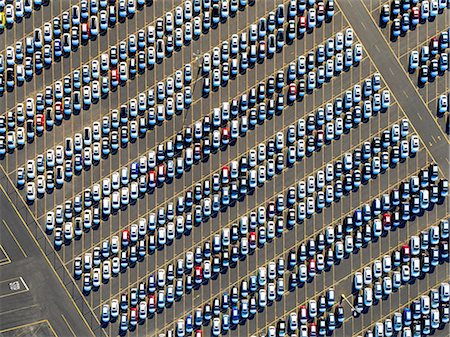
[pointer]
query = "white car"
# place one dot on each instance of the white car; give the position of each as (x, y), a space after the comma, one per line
(31, 192)
(50, 221)
(348, 40)
(106, 270)
(358, 281)
(68, 231)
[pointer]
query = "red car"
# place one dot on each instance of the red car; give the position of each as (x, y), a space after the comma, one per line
(415, 13)
(85, 32)
(161, 173)
(125, 237)
(198, 274)
(40, 123)
(292, 92)
(312, 330)
(406, 253)
(133, 315)
(198, 333)
(387, 221)
(302, 21)
(151, 303)
(312, 267)
(225, 136)
(152, 179)
(434, 45)
(302, 24)
(114, 77)
(252, 240)
(225, 175)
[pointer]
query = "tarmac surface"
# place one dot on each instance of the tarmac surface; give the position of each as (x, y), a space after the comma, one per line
(48, 300)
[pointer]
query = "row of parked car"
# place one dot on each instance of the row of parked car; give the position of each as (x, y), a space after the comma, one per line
(432, 60)
(405, 15)
(93, 147)
(325, 325)
(321, 326)
(306, 313)
(24, 123)
(378, 281)
(229, 174)
(91, 28)
(60, 101)
(134, 239)
(348, 226)
(423, 316)
(436, 47)
(11, 12)
(272, 209)
(59, 37)
(54, 111)
(225, 189)
(428, 240)
(228, 178)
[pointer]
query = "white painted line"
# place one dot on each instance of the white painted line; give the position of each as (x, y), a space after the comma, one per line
(25, 285)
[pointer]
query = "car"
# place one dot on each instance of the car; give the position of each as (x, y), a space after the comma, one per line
(442, 104)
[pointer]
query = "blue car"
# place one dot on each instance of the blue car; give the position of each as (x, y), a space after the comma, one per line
(122, 9)
(134, 170)
(57, 48)
(358, 217)
(103, 21)
(407, 317)
(84, 10)
(235, 317)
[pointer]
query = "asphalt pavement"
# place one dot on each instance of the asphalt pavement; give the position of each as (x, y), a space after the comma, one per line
(33, 287)
(29, 260)
(398, 81)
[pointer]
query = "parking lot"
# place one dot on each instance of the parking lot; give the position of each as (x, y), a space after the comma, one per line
(406, 113)
(414, 40)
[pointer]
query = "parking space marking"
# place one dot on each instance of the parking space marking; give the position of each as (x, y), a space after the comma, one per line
(398, 309)
(153, 85)
(418, 46)
(15, 239)
(170, 191)
(247, 198)
(68, 325)
(23, 38)
(318, 294)
(72, 53)
(10, 283)
(285, 66)
(45, 256)
(22, 326)
(418, 93)
(397, 60)
(18, 309)
(210, 173)
(6, 259)
(117, 44)
(261, 204)
(304, 241)
(44, 326)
